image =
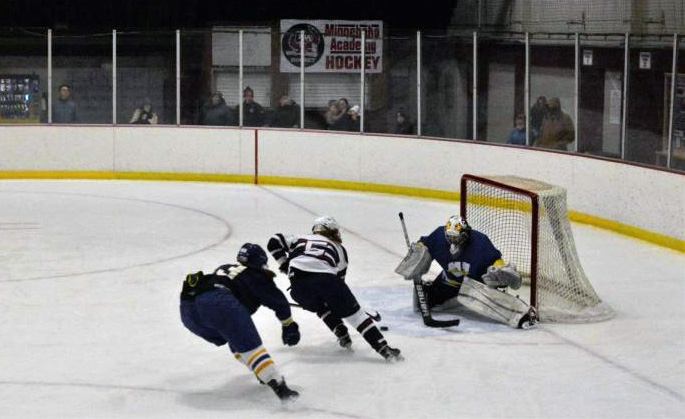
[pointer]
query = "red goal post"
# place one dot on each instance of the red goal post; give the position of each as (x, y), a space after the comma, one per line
(527, 220)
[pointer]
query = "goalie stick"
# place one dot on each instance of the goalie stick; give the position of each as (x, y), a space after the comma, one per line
(428, 319)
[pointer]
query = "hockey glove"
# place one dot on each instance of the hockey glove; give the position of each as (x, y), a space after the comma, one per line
(416, 263)
(291, 334)
(502, 276)
(284, 267)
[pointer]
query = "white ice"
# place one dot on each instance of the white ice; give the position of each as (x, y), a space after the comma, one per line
(90, 273)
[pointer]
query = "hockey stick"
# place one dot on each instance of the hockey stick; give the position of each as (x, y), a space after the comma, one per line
(375, 317)
(428, 319)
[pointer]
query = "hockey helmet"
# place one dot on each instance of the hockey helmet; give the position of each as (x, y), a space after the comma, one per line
(457, 233)
(252, 256)
(327, 227)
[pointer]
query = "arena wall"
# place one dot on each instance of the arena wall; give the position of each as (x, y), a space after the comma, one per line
(638, 201)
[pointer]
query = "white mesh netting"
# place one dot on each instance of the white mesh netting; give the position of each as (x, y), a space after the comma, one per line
(564, 294)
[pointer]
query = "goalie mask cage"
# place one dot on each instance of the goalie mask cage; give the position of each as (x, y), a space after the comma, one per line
(527, 220)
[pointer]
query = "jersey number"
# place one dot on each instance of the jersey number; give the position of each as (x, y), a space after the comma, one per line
(322, 250)
(458, 269)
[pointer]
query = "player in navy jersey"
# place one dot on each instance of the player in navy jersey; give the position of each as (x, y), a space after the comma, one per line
(316, 265)
(473, 272)
(218, 308)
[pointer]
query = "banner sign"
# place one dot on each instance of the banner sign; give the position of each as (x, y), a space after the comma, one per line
(331, 46)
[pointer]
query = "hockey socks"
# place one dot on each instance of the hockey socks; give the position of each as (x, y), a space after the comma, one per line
(367, 328)
(337, 327)
(260, 363)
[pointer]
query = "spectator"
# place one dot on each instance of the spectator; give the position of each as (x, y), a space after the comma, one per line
(557, 127)
(537, 113)
(517, 136)
(64, 109)
(353, 122)
(335, 119)
(344, 105)
(253, 112)
(402, 124)
(216, 112)
(287, 114)
(145, 114)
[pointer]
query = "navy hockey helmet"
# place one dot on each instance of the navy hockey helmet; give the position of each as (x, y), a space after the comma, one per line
(457, 233)
(252, 256)
(327, 227)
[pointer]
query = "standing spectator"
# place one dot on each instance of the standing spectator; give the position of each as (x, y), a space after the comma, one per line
(145, 114)
(253, 112)
(557, 127)
(216, 112)
(537, 113)
(517, 136)
(64, 109)
(287, 114)
(402, 124)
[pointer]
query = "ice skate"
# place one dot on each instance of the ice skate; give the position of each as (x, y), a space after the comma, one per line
(529, 320)
(391, 354)
(283, 391)
(344, 339)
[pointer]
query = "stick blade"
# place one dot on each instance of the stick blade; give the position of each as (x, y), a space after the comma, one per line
(442, 323)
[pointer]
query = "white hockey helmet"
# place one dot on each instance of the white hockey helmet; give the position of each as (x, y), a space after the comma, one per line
(457, 233)
(327, 226)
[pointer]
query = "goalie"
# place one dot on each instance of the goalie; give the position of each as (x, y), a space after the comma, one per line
(473, 273)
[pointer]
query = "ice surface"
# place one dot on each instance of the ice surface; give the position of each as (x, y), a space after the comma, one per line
(90, 273)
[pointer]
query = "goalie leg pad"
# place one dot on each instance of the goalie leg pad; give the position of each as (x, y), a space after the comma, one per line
(494, 304)
(415, 263)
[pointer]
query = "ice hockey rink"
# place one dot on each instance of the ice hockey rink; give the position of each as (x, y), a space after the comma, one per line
(90, 274)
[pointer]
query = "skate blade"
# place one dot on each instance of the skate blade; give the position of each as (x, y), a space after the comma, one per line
(394, 359)
(289, 400)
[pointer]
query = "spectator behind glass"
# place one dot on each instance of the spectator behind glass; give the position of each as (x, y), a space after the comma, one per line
(287, 114)
(334, 117)
(344, 105)
(64, 109)
(517, 135)
(253, 113)
(537, 113)
(402, 124)
(353, 122)
(557, 128)
(216, 112)
(145, 114)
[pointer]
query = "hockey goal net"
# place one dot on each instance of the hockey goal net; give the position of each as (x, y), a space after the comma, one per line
(527, 220)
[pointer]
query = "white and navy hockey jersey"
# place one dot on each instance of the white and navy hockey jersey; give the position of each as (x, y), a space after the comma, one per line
(310, 253)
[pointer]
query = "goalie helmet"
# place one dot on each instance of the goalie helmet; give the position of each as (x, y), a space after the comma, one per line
(457, 233)
(327, 227)
(252, 256)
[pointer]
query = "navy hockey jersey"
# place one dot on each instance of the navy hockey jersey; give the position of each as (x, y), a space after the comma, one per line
(479, 253)
(252, 287)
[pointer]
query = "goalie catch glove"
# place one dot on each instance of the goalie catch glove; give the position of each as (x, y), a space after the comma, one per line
(502, 276)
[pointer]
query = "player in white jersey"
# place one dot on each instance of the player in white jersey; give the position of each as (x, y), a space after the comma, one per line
(316, 265)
